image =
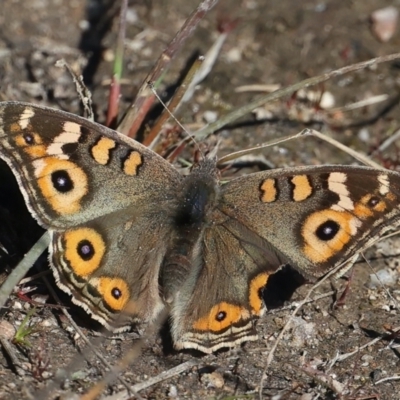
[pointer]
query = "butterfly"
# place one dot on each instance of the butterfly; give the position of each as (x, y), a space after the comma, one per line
(130, 233)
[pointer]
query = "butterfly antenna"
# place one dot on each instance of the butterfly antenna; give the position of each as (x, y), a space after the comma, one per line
(189, 135)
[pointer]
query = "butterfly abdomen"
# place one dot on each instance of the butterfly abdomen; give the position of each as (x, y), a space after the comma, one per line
(199, 193)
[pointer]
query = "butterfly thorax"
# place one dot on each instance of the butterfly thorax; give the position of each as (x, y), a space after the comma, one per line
(195, 212)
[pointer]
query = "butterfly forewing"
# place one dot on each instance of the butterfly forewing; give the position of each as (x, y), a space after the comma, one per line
(72, 170)
(317, 216)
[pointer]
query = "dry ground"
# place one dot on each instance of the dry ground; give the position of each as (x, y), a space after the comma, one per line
(275, 42)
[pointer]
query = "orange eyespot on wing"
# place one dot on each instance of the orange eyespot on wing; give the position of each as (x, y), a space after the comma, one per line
(31, 143)
(84, 250)
(114, 291)
(326, 232)
(220, 317)
(62, 183)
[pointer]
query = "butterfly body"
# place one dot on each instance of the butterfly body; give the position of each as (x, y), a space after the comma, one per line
(130, 235)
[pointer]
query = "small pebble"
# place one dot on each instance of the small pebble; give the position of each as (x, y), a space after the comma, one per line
(327, 100)
(48, 322)
(385, 276)
(302, 332)
(210, 116)
(132, 16)
(213, 380)
(17, 305)
(7, 330)
(234, 55)
(384, 23)
(364, 135)
(173, 392)
(46, 374)
(84, 25)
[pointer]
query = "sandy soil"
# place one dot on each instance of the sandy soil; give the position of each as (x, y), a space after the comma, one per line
(275, 42)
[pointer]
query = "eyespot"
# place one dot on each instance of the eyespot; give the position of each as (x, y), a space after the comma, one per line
(84, 250)
(62, 183)
(327, 232)
(31, 143)
(369, 204)
(115, 292)
(220, 317)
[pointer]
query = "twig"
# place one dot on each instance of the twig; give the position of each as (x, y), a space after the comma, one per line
(115, 86)
(241, 153)
(209, 60)
(258, 88)
(152, 137)
(304, 133)
(342, 357)
(389, 378)
(388, 142)
(324, 379)
(296, 310)
(137, 111)
(156, 379)
(359, 104)
(44, 394)
(83, 92)
(358, 156)
(240, 112)
(13, 357)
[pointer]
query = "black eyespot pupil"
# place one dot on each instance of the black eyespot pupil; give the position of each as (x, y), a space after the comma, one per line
(373, 201)
(62, 182)
(221, 316)
(116, 293)
(85, 250)
(327, 230)
(29, 138)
